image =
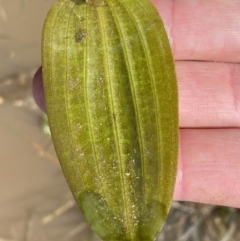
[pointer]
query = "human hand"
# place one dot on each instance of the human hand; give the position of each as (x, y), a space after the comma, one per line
(205, 38)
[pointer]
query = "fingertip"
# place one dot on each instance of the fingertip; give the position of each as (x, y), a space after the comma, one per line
(38, 91)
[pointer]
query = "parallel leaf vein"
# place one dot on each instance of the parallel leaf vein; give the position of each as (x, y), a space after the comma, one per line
(87, 107)
(111, 101)
(147, 54)
(131, 78)
(66, 98)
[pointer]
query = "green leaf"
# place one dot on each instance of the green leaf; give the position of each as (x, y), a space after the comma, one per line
(112, 104)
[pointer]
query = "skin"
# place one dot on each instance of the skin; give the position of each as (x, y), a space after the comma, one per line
(205, 39)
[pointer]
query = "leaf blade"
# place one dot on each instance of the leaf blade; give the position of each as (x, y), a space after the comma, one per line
(112, 107)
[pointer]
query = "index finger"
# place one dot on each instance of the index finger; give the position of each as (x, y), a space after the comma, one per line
(202, 29)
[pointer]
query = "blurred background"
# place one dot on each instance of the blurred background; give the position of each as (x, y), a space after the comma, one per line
(35, 202)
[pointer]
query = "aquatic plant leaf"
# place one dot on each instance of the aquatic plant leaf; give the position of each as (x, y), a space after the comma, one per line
(112, 104)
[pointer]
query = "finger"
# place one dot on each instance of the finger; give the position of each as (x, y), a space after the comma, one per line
(202, 29)
(209, 167)
(209, 94)
(38, 92)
